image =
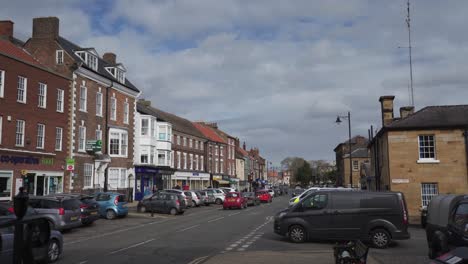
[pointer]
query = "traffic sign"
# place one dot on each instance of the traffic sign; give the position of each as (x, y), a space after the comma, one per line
(70, 164)
(70, 167)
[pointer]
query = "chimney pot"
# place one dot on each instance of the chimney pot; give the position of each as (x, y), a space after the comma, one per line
(386, 103)
(6, 29)
(110, 58)
(46, 27)
(405, 111)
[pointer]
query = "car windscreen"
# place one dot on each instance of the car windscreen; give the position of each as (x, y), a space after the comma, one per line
(71, 204)
(247, 194)
(233, 195)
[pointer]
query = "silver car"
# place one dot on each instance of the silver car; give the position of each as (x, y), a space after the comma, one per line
(188, 201)
(207, 198)
(218, 194)
(63, 213)
(196, 198)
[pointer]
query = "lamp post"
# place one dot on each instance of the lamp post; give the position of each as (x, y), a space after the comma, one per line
(338, 121)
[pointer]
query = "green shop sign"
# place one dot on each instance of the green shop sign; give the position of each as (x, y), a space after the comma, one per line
(94, 145)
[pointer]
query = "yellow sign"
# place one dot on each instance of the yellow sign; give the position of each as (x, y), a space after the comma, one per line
(24, 172)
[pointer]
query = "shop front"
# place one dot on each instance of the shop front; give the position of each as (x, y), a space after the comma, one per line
(43, 182)
(190, 180)
(221, 181)
(234, 182)
(149, 179)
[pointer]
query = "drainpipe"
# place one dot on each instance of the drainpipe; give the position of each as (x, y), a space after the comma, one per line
(465, 134)
(106, 121)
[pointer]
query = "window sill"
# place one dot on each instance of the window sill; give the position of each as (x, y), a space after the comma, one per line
(427, 161)
(60, 112)
(21, 102)
(84, 111)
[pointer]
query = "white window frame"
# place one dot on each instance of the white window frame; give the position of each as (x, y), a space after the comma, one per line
(88, 172)
(428, 191)
(427, 149)
(99, 102)
(83, 98)
(201, 163)
(191, 161)
(221, 151)
(19, 134)
(221, 165)
(60, 100)
(152, 154)
(1, 128)
(120, 76)
(117, 176)
(201, 145)
(178, 159)
(196, 162)
(216, 151)
(145, 128)
(126, 115)
(178, 140)
(216, 165)
(190, 143)
(122, 134)
(58, 138)
(185, 161)
(113, 113)
(42, 96)
(22, 89)
(92, 61)
(184, 139)
(40, 136)
(81, 139)
(98, 134)
(2, 83)
(59, 56)
(355, 165)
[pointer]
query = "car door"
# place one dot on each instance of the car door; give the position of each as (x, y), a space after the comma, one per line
(103, 200)
(6, 243)
(313, 212)
(346, 219)
(458, 225)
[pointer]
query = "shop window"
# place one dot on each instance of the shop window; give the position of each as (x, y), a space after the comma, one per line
(5, 185)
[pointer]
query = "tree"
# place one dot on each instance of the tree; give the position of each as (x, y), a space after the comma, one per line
(293, 164)
(304, 174)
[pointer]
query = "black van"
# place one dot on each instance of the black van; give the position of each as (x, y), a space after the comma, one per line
(378, 217)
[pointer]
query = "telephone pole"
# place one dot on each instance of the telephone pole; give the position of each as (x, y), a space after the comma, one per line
(408, 23)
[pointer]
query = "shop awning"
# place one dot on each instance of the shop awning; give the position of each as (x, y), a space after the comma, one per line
(222, 182)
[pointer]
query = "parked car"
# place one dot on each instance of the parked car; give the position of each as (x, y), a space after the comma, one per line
(111, 205)
(252, 199)
(278, 191)
(271, 192)
(378, 217)
(227, 190)
(89, 207)
(234, 200)
(207, 198)
(447, 223)
(62, 212)
(218, 194)
(196, 199)
(264, 196)
(164, 202)
(458, 256)
(43, 251)
(188, 200)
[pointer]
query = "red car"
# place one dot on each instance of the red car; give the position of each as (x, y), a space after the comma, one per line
(264, 196)
(234, 200)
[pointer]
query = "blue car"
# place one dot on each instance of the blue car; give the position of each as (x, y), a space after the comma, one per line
(111, 205)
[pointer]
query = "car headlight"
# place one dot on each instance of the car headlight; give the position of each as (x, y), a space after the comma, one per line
(282, 214)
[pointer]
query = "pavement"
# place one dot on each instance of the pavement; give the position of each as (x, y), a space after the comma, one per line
(211, 235)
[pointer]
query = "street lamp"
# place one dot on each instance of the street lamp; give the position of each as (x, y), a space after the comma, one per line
(338, 121)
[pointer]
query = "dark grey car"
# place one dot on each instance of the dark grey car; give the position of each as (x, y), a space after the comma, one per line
(336, 215)
(163, 202)
(62, 212)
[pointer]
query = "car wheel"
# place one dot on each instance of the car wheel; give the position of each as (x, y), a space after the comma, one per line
(219, 201)
(173, 211)
(380, 238)
(297, 234)
(142, 209)
(54, 251)
(110, 214)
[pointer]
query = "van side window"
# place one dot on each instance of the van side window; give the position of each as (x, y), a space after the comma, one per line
(345, 201)
(315, 202)
(460, 218)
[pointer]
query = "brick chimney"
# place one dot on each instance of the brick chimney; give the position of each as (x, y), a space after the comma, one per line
(386, 103)
(144, 102)
(6, 29)
(45, 28)
(405, 111)
(110, 58)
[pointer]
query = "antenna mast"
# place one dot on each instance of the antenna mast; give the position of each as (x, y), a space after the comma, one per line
(408, 21)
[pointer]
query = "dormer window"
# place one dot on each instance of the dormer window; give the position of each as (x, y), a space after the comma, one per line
(118, 73)
(90, 59)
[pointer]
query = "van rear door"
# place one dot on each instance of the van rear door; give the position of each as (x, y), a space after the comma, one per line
(346, 219)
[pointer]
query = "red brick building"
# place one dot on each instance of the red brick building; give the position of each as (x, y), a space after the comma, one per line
(103, 108)
(34, 127)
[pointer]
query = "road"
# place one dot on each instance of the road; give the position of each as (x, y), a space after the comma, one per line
(211, 235)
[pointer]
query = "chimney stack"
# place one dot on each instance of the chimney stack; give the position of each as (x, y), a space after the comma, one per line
(6, 29)
(386, 103)
(45, 28)
(405, 111)
(110, 58)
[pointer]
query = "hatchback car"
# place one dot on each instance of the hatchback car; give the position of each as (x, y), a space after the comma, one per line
(264, 196)
(234, 200)
(188, 200)
(207, 198)
(111, 205)
(163, 202)
(218, 194)
(62, 212)
(89, 207)
(252, 199)
(196, 198)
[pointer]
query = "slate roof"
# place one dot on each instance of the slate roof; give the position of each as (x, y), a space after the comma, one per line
(209, 133)
(70, 48)
(178, 123)
(358, 153)
(8, 48)
(445, 116)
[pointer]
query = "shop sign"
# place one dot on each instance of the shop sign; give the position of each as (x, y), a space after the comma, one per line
(19, 159)
(70, 164)
(94, 145)
(145, 170)
(400, 180)
(47, 161)
(217, 178)
(195, 174)
(225, 177)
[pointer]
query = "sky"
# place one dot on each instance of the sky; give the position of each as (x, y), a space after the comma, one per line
(274, 73)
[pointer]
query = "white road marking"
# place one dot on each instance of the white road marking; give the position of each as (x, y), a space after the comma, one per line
(198, 260)
(190, 227)
(216, 219)
(234, 214)
(132, 246)
(83, 262)
(241, 249)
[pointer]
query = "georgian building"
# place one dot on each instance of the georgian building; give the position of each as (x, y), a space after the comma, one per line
(102, 109)
(154, 161)
(34, 125)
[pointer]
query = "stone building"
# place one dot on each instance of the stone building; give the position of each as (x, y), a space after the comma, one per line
(358, 156)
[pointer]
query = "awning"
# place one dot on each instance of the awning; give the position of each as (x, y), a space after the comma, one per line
(222, 182)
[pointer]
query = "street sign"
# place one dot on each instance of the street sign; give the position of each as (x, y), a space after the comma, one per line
(70, 167)
(94, 145)
(70, 164)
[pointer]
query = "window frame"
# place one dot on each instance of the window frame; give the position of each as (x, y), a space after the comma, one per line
(23, 89)
(83, 107)
(121, 135)
(58, 139)
(88, 167)
(99, 104)
(2, 83)
(40, 140)
(113, 110)
(98, 134)
(59, 57)
(42, 96)
(126, 115)
(23, 126)
(355, 165)
(185, 160)
(428, 147)
(82, 137)
(178, 159)
(60, 107)
(144, 128)
(428, 193)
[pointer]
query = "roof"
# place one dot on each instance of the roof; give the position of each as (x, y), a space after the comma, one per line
(353, 141)
(242, 151)
(358, 153)
(209, 133)
(178, 123)
(10, 49)
(434, 117)
(70, 48)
